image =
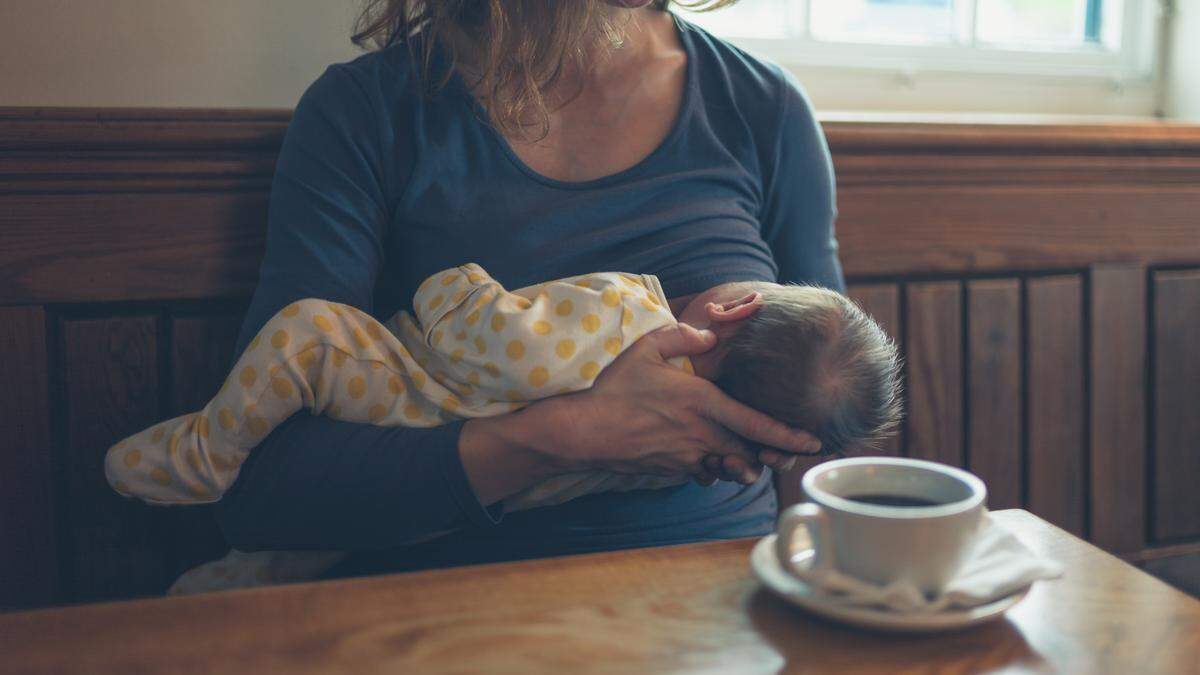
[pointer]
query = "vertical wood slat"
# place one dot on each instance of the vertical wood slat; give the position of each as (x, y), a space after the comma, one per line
(1055, 412)
(994, 388)
(1118, 407)
(1176, 404)
(112, 390)
(882, 303)
(201, 354)
(933, 346)
(28, 550)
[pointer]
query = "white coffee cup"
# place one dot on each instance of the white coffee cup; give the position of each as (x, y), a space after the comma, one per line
(878, 543)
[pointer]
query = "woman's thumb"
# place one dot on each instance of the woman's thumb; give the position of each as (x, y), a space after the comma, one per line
(680, 340)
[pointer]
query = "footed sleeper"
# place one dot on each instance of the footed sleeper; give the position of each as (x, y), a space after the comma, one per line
(473, 350)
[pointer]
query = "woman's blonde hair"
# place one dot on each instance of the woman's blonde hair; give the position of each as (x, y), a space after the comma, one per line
(516, 50)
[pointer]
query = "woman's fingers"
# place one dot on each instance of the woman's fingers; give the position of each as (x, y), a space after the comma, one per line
(753, 425)
(741, 470)
(779, 461)
(678, 340)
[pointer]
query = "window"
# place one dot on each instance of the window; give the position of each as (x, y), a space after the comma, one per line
(1111, 39)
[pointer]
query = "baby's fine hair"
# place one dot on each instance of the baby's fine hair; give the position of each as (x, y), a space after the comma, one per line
(811, 358)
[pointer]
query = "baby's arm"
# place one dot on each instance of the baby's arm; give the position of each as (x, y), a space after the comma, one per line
(519, 346)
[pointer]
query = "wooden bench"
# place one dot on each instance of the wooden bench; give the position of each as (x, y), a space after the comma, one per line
(1044, 281)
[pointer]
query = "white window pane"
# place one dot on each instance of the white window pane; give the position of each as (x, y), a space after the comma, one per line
(750, 18)
(1054, 23)
(915, 21)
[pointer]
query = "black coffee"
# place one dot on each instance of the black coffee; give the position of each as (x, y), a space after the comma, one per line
(894, 500)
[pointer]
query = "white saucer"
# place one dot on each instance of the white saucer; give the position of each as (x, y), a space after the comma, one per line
(771, 573)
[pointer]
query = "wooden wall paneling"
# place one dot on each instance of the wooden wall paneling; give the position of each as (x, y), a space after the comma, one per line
(201, 354)
(1056, 460)
(994, 388)
(111, 381)
(130, 246)
(959, 226)
(1176, 457)
(1117, 366)
(882, 302)
(28, 549)
(933, 345)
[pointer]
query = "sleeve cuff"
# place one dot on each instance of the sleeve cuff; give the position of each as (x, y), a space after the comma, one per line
(455, 477)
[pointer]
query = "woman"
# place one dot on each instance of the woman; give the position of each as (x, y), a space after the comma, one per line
(540, 139)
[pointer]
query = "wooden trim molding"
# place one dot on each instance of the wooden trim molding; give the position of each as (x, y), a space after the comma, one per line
(74, 129)
(174, 128)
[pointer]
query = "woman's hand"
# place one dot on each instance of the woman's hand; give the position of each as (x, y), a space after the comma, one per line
(643, 416)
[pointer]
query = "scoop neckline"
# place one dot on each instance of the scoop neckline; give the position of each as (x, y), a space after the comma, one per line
(685, 109)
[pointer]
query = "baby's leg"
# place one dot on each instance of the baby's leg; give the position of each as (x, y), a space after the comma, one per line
(316, 355)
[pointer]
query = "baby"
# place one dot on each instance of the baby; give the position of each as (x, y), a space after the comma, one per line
(804, 355)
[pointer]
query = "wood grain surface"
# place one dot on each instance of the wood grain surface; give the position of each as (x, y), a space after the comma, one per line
(28, 545)
(679, 609)
(1118, 408)
(1177, 424)
(933, 344)
(994, 389)
(111, 385)
(1055, 408)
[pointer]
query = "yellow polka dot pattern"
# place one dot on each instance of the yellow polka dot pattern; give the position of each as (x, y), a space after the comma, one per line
(515, 350)
(539, 376)
(589, 370)
(249, 376)
(565, 349)
(472, 349)
(613, 345)
(395, 385)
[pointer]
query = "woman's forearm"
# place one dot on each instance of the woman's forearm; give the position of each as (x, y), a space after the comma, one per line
(316, 483)
(503, 455)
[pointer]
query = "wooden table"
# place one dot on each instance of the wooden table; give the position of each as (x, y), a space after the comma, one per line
(675, 609)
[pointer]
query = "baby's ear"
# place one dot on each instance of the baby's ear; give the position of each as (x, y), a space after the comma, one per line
(738, 310)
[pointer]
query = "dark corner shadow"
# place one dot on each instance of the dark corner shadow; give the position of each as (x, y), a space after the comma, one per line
(805, 641)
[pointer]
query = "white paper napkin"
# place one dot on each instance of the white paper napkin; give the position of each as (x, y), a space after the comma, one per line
(997, 565)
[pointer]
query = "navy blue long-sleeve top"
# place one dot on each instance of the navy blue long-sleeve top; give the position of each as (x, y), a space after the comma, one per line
(379, 186)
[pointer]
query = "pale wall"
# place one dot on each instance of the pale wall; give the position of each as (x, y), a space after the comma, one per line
(1183, 72)
(262, 53)
(172, 53)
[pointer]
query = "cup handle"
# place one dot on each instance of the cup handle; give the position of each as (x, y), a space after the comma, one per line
(813, 517)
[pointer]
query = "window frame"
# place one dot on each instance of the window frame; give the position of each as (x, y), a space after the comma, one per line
(1134, 62)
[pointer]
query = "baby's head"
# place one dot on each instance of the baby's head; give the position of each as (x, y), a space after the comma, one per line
(805, 355)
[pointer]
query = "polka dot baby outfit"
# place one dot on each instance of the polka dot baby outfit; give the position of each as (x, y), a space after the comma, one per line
(472, 350)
